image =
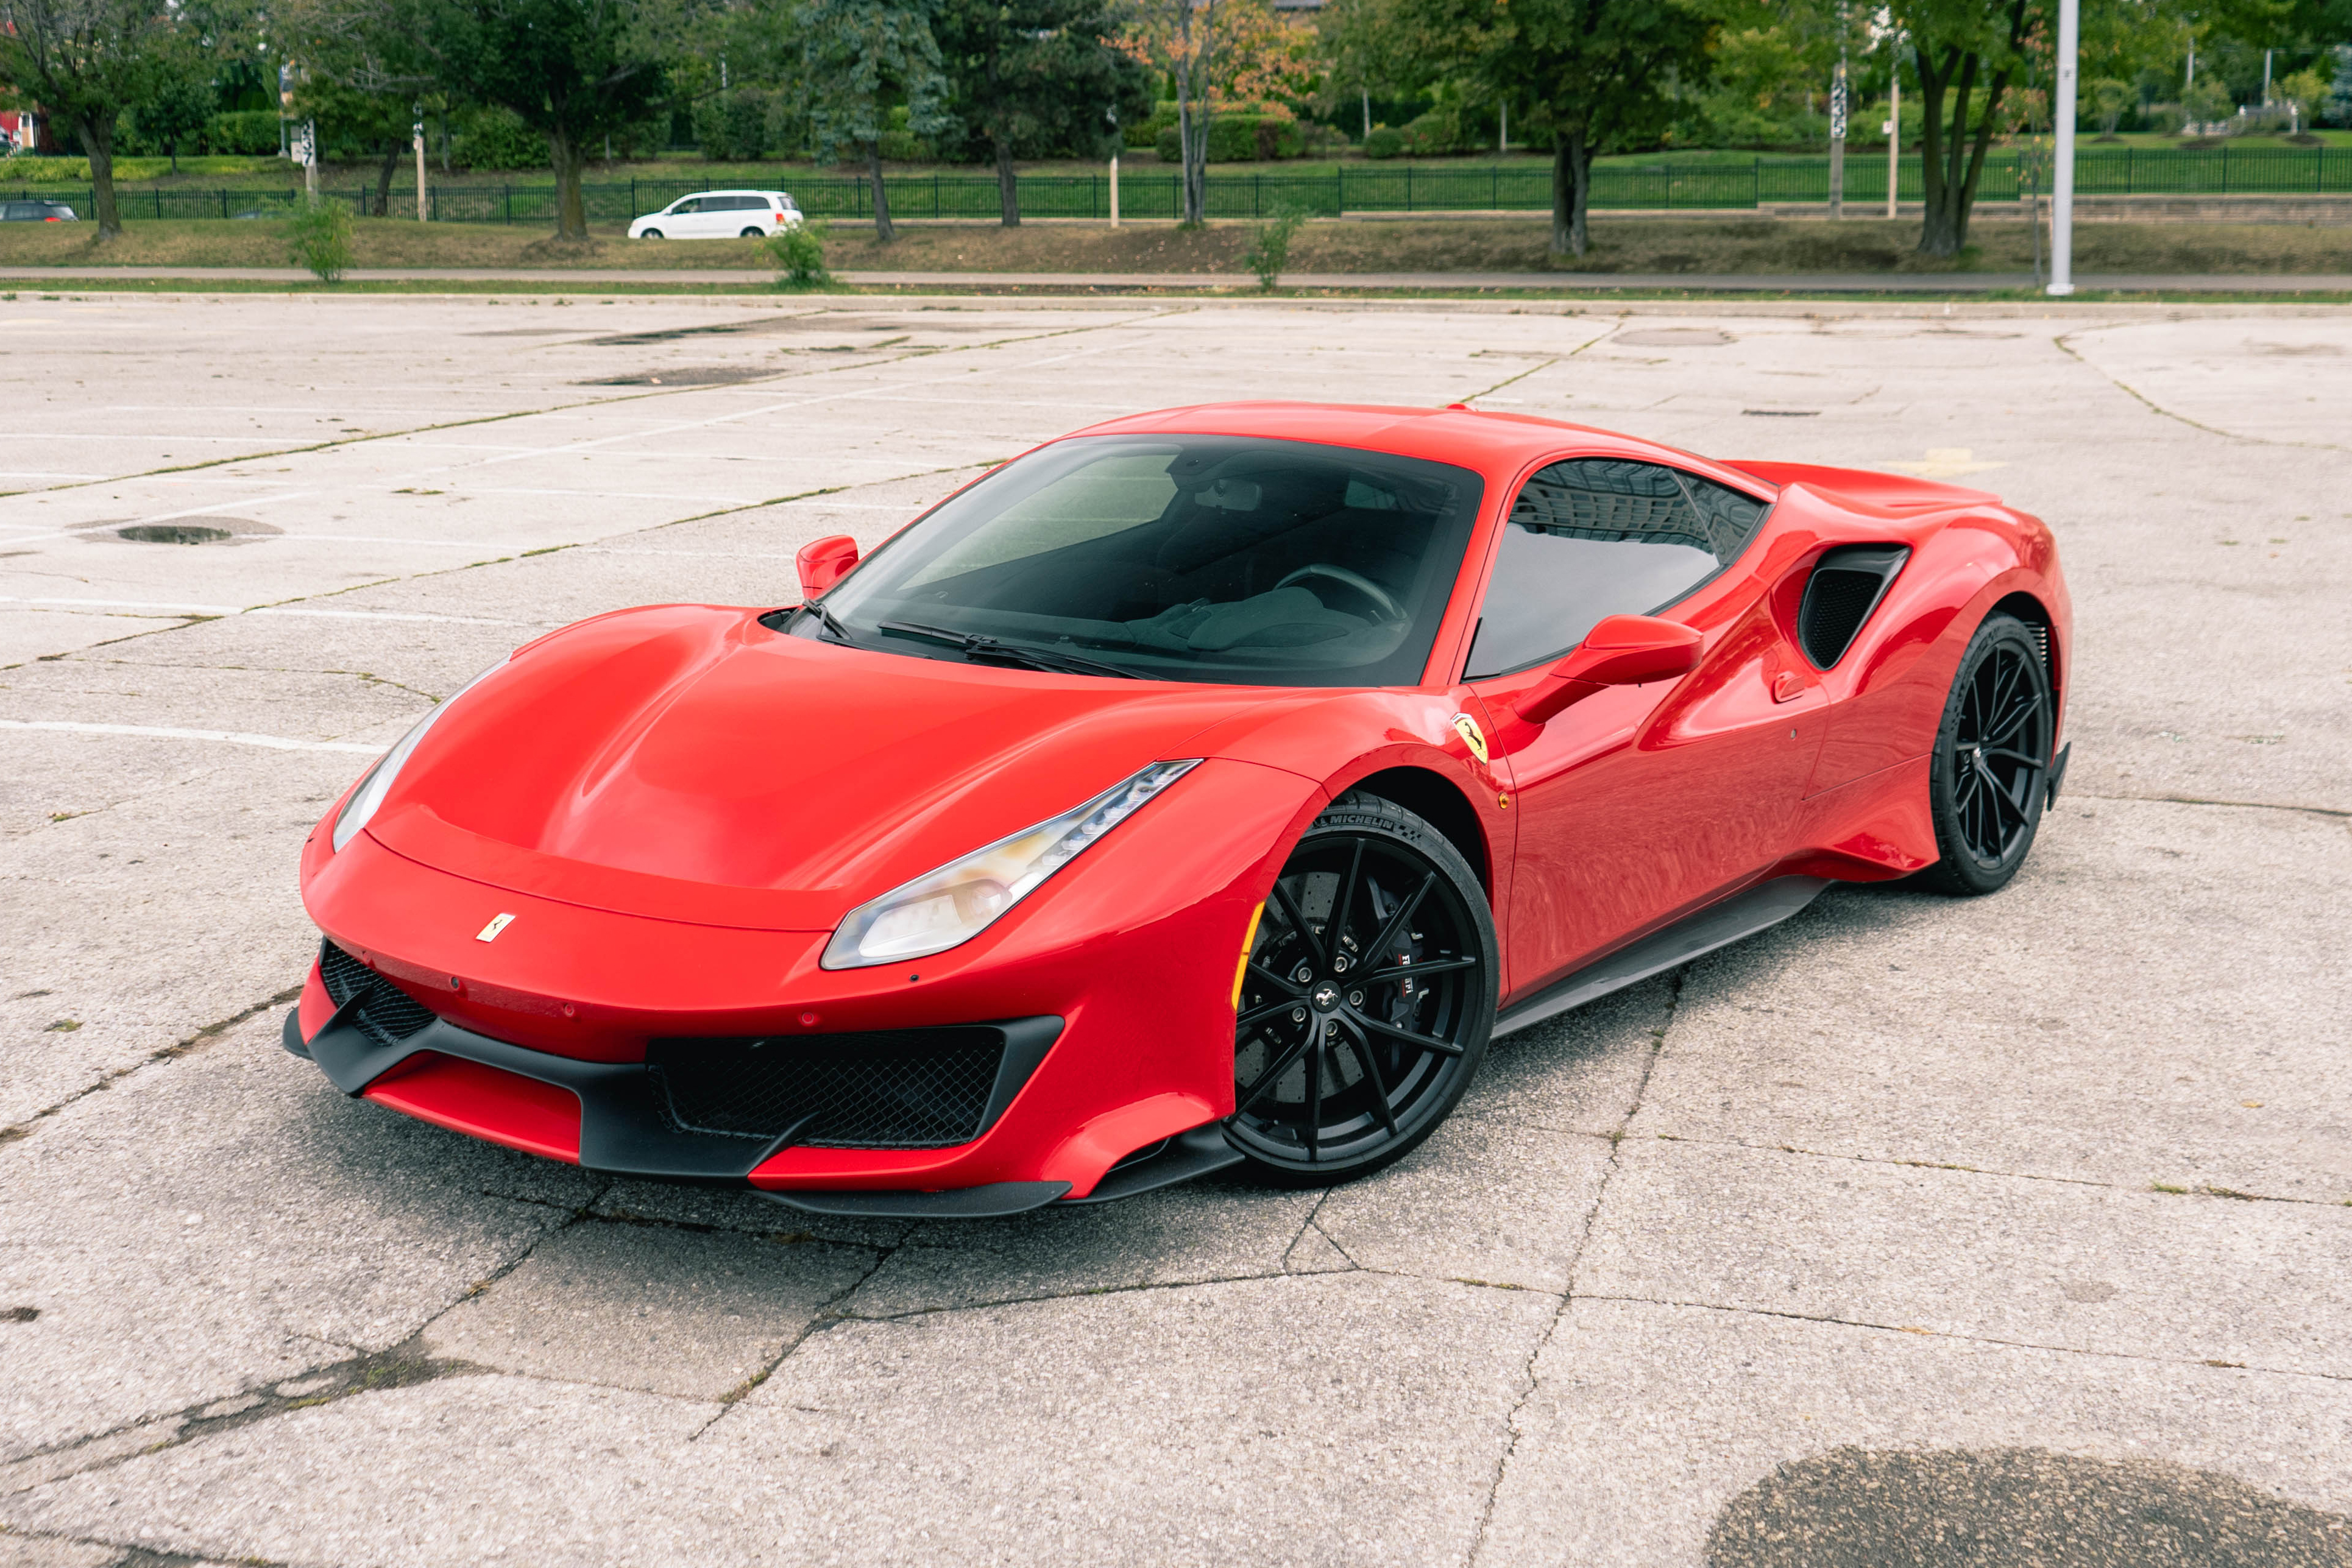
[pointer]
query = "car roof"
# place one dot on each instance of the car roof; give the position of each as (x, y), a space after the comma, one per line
(1468, 438)
(730, 192)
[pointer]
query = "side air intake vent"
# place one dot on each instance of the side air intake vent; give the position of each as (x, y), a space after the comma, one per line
(387, 1014)
(1843, 590)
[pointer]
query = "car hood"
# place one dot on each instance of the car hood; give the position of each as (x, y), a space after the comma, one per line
(688, 763)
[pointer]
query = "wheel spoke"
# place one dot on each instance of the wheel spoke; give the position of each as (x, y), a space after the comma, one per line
(1282, 983)
(1423, 1041)
(2001, 802)
(1297, 922)
(1415, 971)
(1403, 915)
(1345, 899)
(2026, 710)
(1366, 1057)
(2027, 757)
(1258, 1015)
(1265, 1080)
(1313, 1128)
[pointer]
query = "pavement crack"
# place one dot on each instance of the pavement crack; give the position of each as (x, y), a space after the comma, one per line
(210, 1032)
(2066, 346)
(823, 1318)
(1568, 1296)
(2201, 1190)
(1510, 381)
(2208, 801)
(1834, 1321)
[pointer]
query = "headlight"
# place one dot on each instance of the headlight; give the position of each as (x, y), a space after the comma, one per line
(958, 900)
(377, 782)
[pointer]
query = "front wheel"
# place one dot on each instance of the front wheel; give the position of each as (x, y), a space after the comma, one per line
(1990, 775)
(650, 233)
(1368, 997)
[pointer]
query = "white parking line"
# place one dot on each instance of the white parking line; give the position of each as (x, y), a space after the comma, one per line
(164, 732)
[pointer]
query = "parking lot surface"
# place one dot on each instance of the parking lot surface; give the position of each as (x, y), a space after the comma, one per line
(1917, 1230)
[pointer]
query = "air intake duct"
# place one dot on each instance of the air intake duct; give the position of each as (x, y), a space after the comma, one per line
(1845, 587)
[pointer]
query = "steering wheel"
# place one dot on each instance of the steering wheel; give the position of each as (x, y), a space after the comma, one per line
(1355, 580)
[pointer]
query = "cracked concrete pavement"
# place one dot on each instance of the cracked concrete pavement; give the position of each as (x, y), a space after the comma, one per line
(2003, 1230)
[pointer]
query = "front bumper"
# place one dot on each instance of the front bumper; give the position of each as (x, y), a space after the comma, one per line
(624, 1126)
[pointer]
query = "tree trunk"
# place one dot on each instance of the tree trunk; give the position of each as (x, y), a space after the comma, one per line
(1951, 161)
(884, 230)
(1008, 184)
(383, 178)
(570, 211)
(98, 142)
(1571, 193)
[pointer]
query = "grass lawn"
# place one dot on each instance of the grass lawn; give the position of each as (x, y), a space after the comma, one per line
(1726, 244)
(272, 174)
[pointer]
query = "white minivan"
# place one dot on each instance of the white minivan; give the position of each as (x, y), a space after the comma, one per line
(720, 214)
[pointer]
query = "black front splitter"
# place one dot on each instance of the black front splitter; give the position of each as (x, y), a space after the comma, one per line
(622, 1130)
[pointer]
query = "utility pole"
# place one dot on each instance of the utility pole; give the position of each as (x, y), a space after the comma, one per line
(417, 136)
(2062, 191)
(1503, 140)
(1118, 140)
(1837, 127)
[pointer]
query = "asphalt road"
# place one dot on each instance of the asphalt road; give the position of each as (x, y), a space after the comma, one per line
(2003, 1231)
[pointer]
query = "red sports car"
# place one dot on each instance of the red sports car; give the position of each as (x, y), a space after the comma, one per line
(1204, 789)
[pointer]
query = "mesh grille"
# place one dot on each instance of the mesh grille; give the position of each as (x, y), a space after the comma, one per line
(897, 1088)
(386, 1014)
(1835, 603)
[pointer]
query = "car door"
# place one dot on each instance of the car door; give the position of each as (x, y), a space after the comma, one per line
(1642, 801)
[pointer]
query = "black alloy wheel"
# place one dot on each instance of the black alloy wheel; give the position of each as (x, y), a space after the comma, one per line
(1989, 776)
(1368, 998)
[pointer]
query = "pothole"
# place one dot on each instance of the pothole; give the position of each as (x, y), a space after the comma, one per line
(211, 531)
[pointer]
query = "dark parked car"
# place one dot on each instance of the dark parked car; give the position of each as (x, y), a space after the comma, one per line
(35, 212)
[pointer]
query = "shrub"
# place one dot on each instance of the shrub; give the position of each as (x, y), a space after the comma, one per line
(2208, 102)
(734, 127)
(252, 132)
(1241, 139)
(498, 138)
(799, 254)
(2164, 119)
(1384, 142)
(319, 237)
(1269, 250)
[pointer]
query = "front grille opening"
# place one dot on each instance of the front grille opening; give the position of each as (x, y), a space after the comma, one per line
(889, 1089)
(386, 1014)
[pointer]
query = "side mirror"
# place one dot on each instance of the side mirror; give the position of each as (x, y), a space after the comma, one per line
(824, 563)
(1621, 651)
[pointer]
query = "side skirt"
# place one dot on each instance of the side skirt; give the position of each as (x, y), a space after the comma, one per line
(1717, 926)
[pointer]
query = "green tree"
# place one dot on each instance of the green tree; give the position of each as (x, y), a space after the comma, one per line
(1960, 49)
(86, 61)
(1034, 77)
(1596, 76)
(2109, 97)
(574, 70)
(177, 110)
(861, 58)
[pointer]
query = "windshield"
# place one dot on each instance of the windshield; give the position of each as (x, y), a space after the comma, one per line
(1188, 557)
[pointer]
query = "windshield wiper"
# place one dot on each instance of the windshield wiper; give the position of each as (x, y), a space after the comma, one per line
(979, 647)
(830, 622)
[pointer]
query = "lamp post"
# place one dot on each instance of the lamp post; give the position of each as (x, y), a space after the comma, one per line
(417, 136)
(2061, 184)
(1895, 133)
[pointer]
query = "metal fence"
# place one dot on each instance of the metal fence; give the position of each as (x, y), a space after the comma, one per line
(1347, 188)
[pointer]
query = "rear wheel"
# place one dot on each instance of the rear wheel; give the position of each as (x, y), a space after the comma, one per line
(1368, 997)
(751, 234)
(1991, 771)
